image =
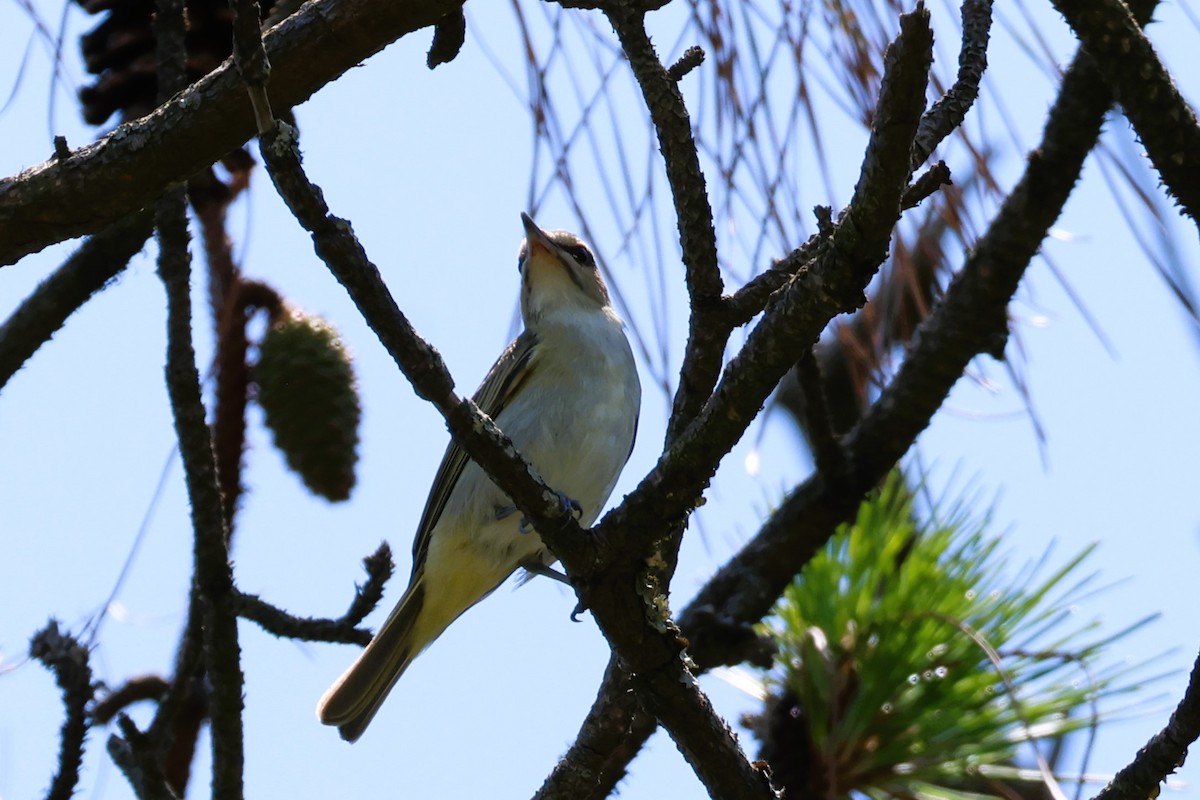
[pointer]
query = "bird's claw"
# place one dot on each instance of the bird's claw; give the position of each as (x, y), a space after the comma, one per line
(580, 607)
(569, 505)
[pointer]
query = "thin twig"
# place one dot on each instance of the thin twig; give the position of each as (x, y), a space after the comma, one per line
(691, 58)
(366, 597)
(944, 116)
(134, 754)
(818, 427)
(449, 34)
(63, 655)
(250, 58)
(930, 181)
(233, 379)
(214, 581)
(134, 690)
(83, 274)
(749, 301)
(1164, 753)
(1165, 123)
(698, 239)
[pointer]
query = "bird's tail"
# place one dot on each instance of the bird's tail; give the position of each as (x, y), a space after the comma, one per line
(352, 701)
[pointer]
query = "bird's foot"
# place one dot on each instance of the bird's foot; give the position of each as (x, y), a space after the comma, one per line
(569, 505)
(566, 504)
(538, 568)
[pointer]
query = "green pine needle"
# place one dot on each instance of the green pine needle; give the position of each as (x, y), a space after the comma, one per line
(914, 662)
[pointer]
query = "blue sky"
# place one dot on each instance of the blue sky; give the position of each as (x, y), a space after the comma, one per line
(433, 170)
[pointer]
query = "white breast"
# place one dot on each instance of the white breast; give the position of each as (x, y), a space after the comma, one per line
(576, 420)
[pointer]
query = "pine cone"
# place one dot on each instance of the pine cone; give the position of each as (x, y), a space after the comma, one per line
(306, 387)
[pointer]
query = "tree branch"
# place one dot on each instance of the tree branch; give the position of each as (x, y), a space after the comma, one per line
(971, 319)
(749, 301)
(88, 270)
(212, 576)
(944, 117)
(701, 734)
(698, 239)
(233, 380)
(276, 621)
(63, 655)
(1165, 123)
(612, 733)
(420, 363)
(842, 264)
(124, 171)
(214, 580)
(832, 284)
(1164, 753)
(717, 622)
(135, 756)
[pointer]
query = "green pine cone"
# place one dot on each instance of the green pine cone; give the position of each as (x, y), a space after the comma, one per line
(307, 390)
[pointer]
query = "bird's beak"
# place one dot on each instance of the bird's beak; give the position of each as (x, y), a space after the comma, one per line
(536, 237)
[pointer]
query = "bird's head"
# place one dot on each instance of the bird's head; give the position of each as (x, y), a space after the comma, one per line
(558, 273)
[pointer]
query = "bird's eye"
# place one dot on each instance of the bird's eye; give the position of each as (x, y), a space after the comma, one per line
(581, 254)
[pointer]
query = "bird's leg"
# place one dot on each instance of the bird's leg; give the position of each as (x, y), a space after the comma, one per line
(504, 512)
(538, 568)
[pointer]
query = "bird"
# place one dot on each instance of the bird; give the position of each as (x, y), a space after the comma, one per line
(566, 392)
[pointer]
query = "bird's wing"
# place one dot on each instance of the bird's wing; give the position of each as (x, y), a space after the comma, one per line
(502, 381)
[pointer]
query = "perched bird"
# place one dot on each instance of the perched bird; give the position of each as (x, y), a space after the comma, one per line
(566, 392)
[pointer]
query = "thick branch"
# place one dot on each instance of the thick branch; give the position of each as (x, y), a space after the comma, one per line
(841, 265)
(1165, 123)
(1165, 751)
(717, 621)
(971, 319)
(612, 733)
(97, 261)
(832, 284)
(102, 182)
